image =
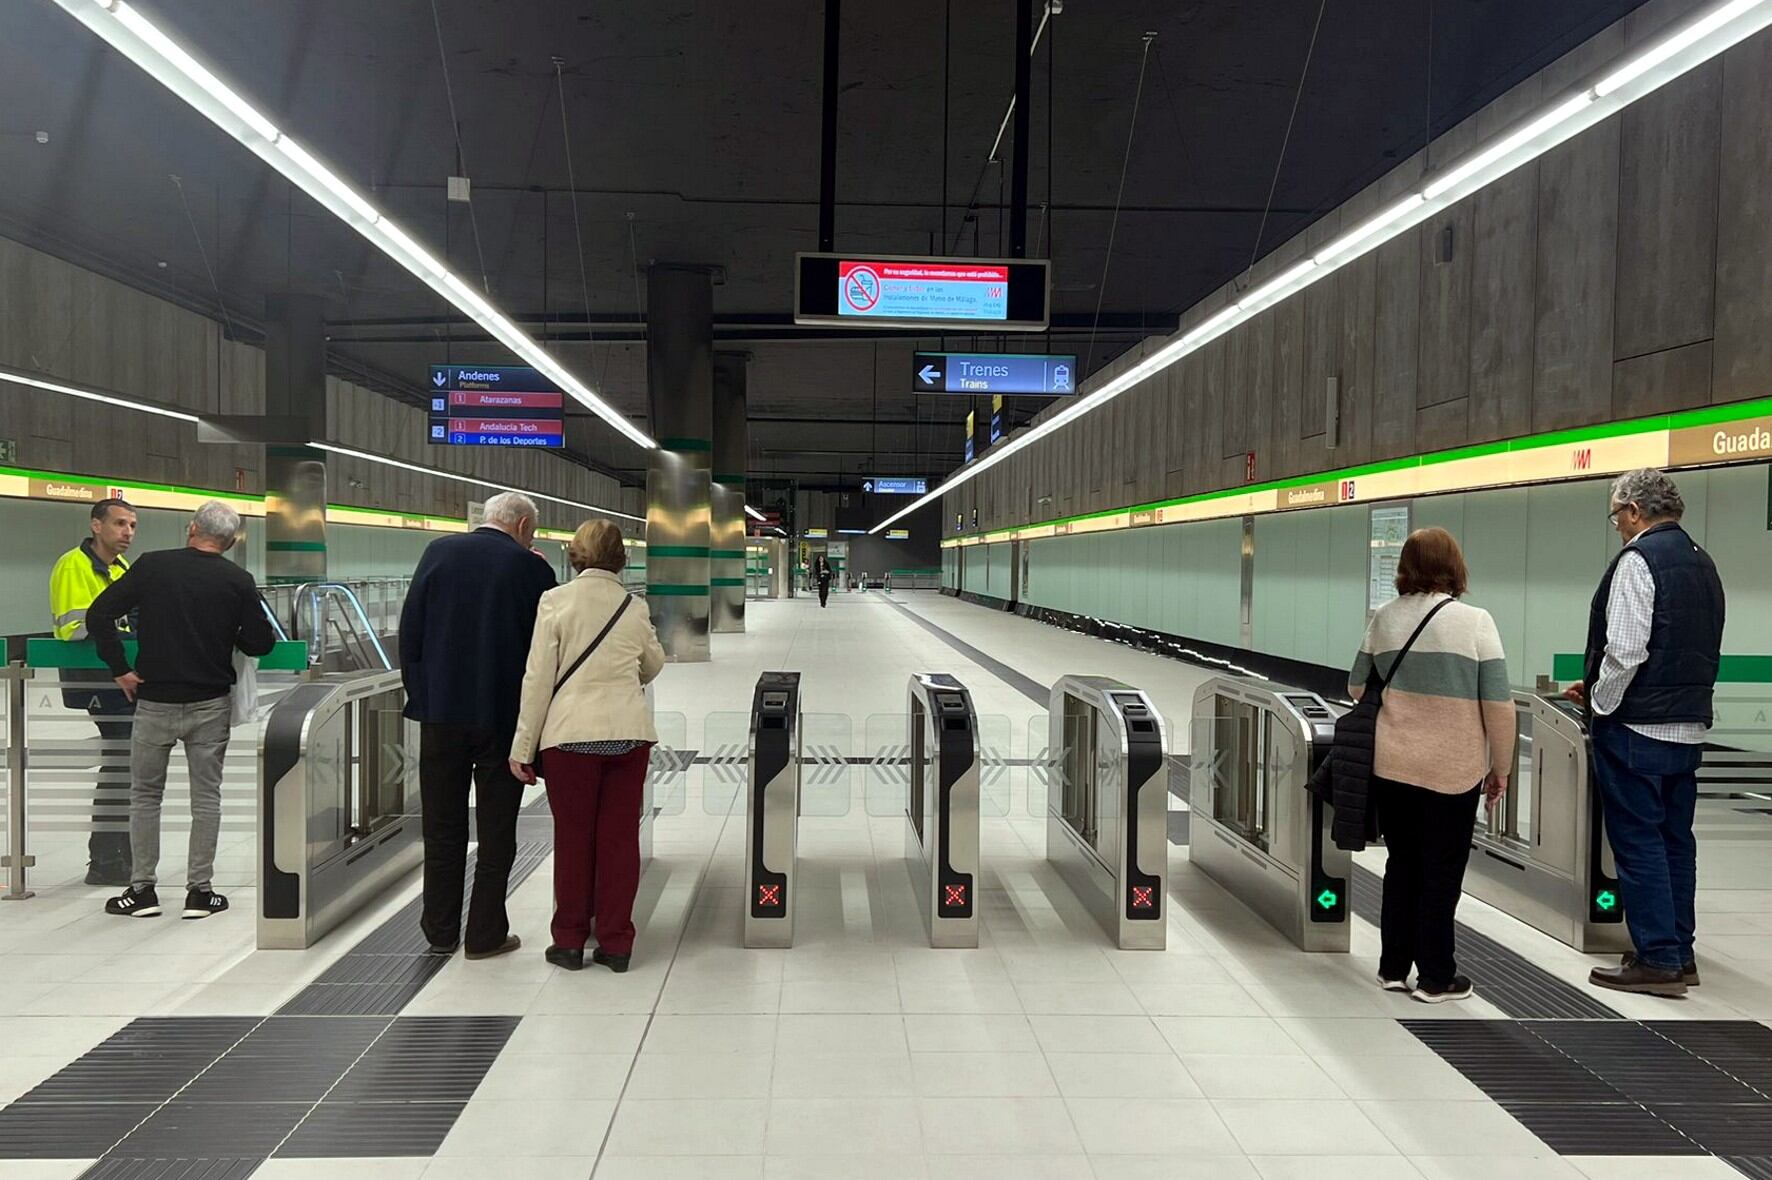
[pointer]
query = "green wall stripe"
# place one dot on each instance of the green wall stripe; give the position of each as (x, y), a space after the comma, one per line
(1730, 670)
(685, 444)
(725, 581)
(287, 655)
(676, 551)
(732, 479)
(1707, 416)
(731, 554)
(296, 546)
(671, 590)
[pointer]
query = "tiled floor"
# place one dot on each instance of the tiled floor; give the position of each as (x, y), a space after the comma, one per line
(861, 1052)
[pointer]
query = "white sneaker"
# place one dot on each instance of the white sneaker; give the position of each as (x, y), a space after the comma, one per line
(1394, 985)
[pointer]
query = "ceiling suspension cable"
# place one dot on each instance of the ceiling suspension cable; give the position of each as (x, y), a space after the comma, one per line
(1274, 187)
(578, 232)
(461, 160)
(1119, 196)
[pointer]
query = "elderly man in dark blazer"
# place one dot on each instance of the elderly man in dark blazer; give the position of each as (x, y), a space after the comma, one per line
(464, 642)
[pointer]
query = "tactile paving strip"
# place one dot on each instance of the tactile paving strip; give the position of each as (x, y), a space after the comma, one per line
(199, 1168)
(391, 965)
(1503, 977)
(1622, 1087)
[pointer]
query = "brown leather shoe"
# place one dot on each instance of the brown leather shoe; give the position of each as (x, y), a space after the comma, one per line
(1689, 972)
(504, 948)
(1638, 978)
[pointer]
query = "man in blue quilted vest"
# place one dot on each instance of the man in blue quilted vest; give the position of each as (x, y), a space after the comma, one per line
(1654, 641)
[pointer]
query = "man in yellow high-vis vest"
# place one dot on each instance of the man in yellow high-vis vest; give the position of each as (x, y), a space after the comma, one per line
(81, 575)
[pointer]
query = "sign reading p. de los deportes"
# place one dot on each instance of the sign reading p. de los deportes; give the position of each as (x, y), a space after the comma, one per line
(898, 291)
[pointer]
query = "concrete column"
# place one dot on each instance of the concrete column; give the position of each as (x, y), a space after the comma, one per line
(679, 484)
(731, 455)
(295, 413)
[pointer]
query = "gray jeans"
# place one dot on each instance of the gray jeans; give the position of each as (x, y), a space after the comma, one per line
(203, 728)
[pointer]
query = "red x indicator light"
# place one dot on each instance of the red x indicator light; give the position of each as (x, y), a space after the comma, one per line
(956, 894)
(1141, 897)
(769, 895)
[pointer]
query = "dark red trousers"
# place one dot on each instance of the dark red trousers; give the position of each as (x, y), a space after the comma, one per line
(596, 803)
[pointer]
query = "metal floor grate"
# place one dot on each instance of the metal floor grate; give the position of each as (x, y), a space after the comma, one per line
(1505, 978)
(1620, 1087)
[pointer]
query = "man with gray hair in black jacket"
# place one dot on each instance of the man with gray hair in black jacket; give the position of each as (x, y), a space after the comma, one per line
(196, 608)
(1654, 643)
(464, 643)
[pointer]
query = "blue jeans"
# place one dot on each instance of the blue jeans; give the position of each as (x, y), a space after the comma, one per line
(1649, 790)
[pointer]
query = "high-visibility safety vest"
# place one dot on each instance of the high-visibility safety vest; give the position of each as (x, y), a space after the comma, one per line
(79, 577)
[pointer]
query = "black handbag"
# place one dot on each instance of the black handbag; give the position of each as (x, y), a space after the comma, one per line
(1344, 780)
(626, 601)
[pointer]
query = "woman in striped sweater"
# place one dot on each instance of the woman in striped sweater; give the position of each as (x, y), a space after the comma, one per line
(1446, 729)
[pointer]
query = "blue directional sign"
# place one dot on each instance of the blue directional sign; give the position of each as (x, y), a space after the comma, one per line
(884, 486)
(1012, 374)
(494, 406)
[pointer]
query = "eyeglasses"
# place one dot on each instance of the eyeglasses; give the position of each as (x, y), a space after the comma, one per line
(1612, 516)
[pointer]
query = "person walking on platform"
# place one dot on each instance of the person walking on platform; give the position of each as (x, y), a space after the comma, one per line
(1654, 643)
(195, 610)
(1445, 730)
(464, 634)
(823, 574)
(78, 577)
(584, 709)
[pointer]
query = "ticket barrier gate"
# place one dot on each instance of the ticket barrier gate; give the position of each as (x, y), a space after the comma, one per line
(941, 810)
(772, 810)
(338, 816)
(1255, 826)
(1107, 811)
(1541, 854)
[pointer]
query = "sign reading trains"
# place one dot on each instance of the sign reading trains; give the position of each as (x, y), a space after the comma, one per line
(900, 292)
(1036, 374)
(495, 406)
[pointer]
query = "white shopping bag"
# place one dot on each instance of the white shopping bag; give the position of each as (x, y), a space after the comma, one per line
(243, 705)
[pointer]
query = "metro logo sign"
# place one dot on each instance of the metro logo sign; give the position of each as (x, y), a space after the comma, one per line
(1582, 459)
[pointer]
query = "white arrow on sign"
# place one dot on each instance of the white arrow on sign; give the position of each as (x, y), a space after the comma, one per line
(438, 379)
(930, 374)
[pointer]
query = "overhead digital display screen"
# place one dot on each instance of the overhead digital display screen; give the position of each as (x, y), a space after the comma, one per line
(1007, 374)
(894, 291)
(495, 406)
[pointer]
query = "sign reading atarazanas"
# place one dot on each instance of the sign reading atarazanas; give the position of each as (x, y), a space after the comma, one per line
(1006, 294)
(495, 406)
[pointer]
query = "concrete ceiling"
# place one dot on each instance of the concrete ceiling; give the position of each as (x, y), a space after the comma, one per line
(694, 128)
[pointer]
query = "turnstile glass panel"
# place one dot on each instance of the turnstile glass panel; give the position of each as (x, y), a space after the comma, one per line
(919, 765)
(723, 765)
(381, 778)
(1513, 819)
(1076, 778)
(995, 758)
(886, 788)
(826, 778)
(1238, 734)
(668, 769)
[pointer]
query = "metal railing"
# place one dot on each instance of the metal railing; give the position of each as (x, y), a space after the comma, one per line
(328, 611)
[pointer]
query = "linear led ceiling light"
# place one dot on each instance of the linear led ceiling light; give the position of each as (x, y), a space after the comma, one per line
(482, 483)
(143, 42)
(753, 513)
(91, 395)
(1717, 29)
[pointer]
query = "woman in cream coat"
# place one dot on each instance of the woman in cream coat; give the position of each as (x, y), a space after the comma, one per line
(595, 730)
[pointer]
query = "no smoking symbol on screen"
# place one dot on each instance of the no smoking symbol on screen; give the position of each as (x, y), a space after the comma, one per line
(861, 290)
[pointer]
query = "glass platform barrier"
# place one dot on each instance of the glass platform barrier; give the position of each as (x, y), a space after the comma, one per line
(1254, 825)
(67, 734)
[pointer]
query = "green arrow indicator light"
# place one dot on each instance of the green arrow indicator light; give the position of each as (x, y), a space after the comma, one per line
(1606, 900)
(1328, 898)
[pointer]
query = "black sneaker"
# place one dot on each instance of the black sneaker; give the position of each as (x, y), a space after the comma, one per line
(1459, 989)
(1639, 978)
(1393, 985)
(135, 903)
(200, 903)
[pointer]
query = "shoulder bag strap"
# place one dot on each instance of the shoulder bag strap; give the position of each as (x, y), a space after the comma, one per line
(1419, 628)
(626, 599)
